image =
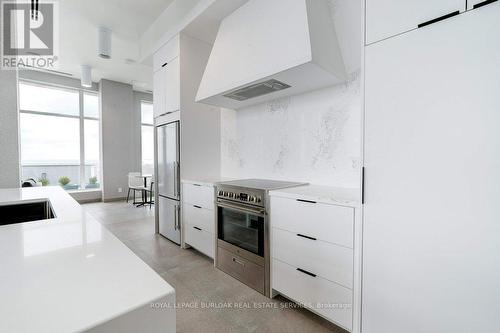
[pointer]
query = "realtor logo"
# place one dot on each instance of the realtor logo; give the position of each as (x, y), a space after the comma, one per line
(29, 34)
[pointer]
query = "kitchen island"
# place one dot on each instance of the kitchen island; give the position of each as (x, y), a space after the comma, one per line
(70, 274)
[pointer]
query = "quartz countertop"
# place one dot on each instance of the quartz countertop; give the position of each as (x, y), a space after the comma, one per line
(206, 182)
(68, 274)
(325, 194)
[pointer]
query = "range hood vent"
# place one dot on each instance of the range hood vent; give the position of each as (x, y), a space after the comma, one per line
(269, 49)
(257, 89)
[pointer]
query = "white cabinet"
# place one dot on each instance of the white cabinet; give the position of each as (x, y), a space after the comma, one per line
(158, 93)
(312, 255)
(386, 18)
(198, 216)
(477, 3)
(328, 299)
(166, 88)
(166, 53)
(431, 235)
(172, 85)
(329, 223)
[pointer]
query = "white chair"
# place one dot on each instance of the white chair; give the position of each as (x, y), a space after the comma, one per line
(135, 183)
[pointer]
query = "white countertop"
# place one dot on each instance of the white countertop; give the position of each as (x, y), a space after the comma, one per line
(325, 194)
(206, 182)
(68, 274)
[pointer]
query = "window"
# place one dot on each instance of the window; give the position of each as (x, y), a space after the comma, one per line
(59, 135)
(147, 137)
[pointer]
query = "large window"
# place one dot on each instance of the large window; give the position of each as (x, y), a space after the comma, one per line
(59, 136)
(147, 137)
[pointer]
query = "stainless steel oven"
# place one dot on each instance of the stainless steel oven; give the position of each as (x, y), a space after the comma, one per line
(243, 247)
(242, 236)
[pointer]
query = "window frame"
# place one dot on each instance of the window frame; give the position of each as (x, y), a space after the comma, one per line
(144, 101)
(81, 117)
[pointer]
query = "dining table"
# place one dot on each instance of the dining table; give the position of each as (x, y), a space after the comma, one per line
(145, 197)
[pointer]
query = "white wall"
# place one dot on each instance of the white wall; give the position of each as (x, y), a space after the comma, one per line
(9, 130)
(313, 137)
(119, 137)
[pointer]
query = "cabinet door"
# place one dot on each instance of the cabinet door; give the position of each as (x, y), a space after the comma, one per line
(386, 18)
(159, 92)
(431, 231)
(172, 85)
(472, 3)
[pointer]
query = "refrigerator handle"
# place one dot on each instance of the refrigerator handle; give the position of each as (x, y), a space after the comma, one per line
(178, 217)
(177, 180)
(175, 217)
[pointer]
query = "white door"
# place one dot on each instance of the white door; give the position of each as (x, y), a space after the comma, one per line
(169, 219)
(386, 18)
(431, 229)
(172, 85)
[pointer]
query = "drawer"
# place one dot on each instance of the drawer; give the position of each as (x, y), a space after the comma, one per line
(330, 261)
(166, 53)
(242, 269)
(326, 298)
(199, 239)
(199, 217)
(198, 195)
(329, 223)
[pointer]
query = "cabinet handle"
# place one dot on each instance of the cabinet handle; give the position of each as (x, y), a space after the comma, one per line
(484, 3)
(165, 64)
(238, 262)
(306, 272)
(437, 19)
(308, 237)
(308, 201)
(197, 228)
(195, 206)
(196, 185)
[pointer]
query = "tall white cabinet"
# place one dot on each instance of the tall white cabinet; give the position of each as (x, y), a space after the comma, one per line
(431, 232)
(178, 67)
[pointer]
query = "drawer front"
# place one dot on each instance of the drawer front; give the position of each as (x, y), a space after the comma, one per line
(242, 269)
(330, 261)
(202, 196)
(201, 240)
(328, 299)
(166, 53)
(199, 217)
(329, 223)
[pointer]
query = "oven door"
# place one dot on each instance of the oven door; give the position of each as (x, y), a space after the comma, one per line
(241, 226)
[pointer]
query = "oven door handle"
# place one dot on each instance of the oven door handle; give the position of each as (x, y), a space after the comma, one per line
(259, 212)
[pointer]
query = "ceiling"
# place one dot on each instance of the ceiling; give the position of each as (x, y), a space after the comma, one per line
(128, 20)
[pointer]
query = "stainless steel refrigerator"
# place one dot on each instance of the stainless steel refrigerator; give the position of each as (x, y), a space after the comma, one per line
(168, 179)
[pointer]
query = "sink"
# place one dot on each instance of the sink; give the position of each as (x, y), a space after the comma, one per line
(25, 212)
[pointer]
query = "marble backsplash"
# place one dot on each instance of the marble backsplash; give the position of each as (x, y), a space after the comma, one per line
(313, 137)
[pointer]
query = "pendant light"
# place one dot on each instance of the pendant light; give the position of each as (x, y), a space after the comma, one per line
(104, 43)
(86, 80)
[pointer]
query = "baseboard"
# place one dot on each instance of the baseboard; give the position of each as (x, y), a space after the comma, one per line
(114, 199)
(85, 201)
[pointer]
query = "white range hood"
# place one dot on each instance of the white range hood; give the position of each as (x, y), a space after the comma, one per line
(268, 49)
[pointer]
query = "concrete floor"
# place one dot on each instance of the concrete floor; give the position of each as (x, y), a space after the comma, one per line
(197, 283)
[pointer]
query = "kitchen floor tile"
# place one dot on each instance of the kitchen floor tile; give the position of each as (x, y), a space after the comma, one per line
(208, 300)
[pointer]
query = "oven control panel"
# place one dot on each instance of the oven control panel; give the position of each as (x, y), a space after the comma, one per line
(235, 195)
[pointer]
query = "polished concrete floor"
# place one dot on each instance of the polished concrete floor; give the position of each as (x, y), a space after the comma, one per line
(198, 284)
